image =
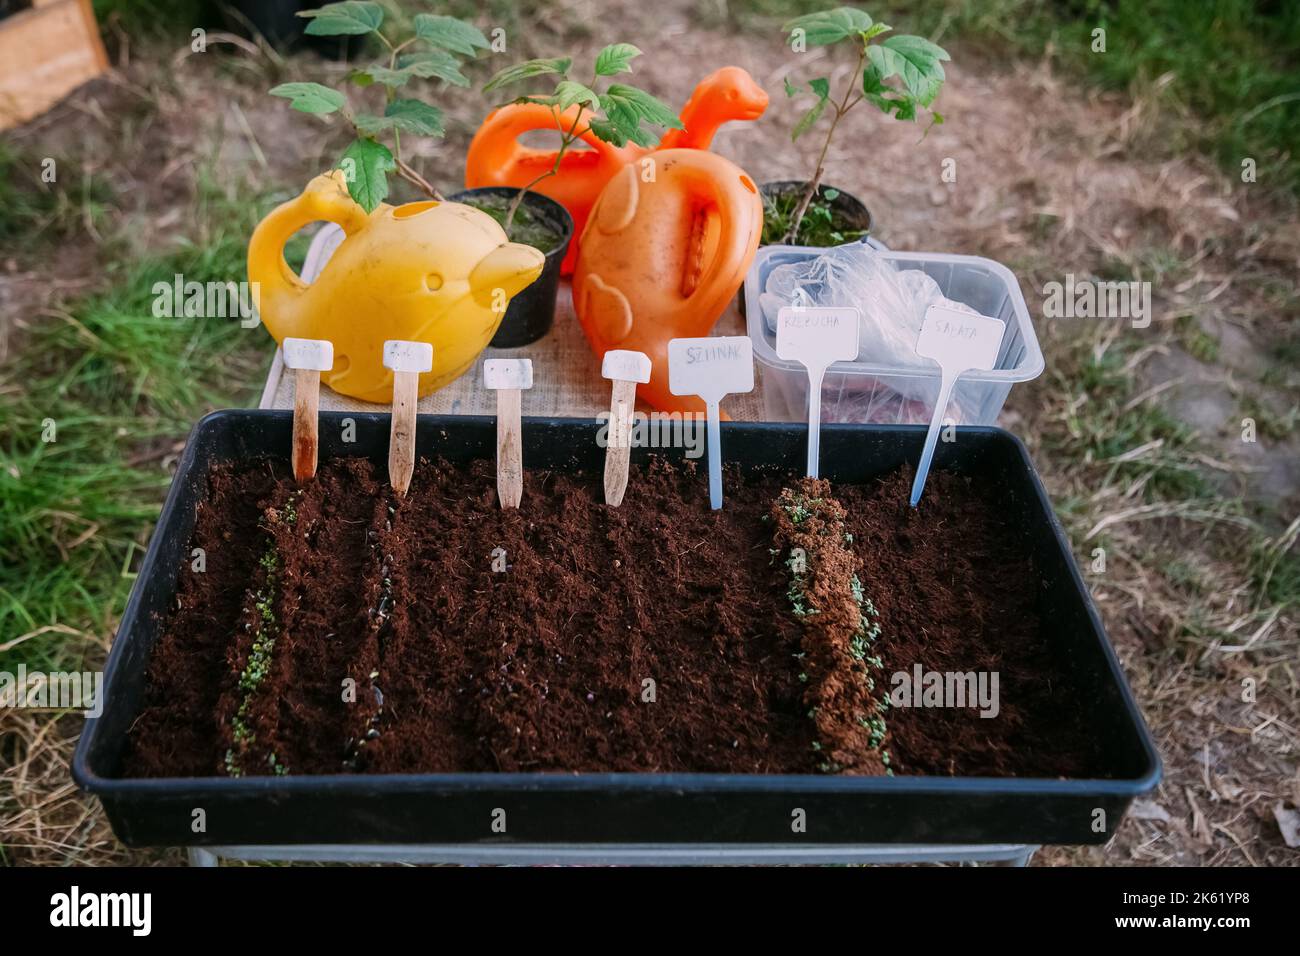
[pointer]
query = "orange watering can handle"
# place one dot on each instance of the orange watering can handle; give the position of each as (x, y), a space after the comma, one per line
(496, 146)
(725, 200)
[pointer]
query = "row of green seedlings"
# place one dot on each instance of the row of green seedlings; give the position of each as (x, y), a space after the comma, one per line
(258, 665)
(799, 508)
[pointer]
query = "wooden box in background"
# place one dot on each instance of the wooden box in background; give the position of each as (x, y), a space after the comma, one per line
(46, 51)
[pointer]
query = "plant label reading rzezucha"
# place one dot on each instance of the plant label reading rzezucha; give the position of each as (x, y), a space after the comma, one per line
(626, 369)
(507, 377)
(712, 368)
(406, 360)
(817, 337)
(960, 342)
(308, 358)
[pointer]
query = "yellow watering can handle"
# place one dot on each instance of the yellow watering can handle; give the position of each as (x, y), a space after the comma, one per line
(325, 198)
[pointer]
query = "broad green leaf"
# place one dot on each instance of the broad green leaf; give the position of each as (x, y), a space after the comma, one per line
(310, 97)
(607, 131)
(408, 116)
(808, 119)
(829, 26)
(875, 30)
(366, 165)
(915, 60)
(434, 64)
(557, 66)
(567, 93)
(642, 105)
(821, 87)
(450, 34)
(616, 58)
(350, 18)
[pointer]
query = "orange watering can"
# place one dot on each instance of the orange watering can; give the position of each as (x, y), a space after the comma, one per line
(436, 272)
(661, 259)
(497, 158)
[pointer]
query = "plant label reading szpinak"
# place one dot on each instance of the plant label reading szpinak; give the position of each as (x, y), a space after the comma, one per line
(959, 342)
(508, 373)
(403, 356)
(711, 368)
(315, 355)
(817, 337)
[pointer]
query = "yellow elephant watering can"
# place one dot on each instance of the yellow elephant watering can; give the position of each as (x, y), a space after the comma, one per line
(436, 272)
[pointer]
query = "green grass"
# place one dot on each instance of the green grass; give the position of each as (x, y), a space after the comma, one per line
(1100, 427)
(1232, 62)
(120, 387)
(34, 211)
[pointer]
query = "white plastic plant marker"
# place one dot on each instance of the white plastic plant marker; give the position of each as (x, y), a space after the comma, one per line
(712, 368)
(508, 377)
(308, 358)
(959, 342)
(407, 360)
(817, 338)
(626, 369)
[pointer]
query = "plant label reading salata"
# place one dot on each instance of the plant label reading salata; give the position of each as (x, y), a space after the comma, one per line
(960, 342)
(817, 337)
(711, 368)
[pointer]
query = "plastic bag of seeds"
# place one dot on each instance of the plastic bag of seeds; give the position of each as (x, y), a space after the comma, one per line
(892, 302)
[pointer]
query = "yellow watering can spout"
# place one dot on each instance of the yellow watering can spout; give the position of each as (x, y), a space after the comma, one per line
(428, 271)
(504, 272)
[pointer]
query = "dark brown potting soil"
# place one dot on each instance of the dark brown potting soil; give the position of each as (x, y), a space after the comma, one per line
(440, 633)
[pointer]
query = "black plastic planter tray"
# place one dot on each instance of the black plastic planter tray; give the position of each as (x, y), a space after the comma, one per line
(622, 807)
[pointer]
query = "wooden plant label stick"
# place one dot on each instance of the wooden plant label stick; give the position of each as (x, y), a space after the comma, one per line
(711, 368)
(625, 369)
(959, 342)
(817, 337)
(508, 377)
(407, 360)
(308, 358)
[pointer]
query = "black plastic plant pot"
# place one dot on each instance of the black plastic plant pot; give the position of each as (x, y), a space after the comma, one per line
(531, 313)
(852, 210)
(608, 808)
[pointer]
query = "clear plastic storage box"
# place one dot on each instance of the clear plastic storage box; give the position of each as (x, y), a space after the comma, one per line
(868, 392)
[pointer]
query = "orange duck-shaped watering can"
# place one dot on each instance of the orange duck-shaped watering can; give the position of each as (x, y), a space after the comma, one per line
(497, 158)
(661, 258)
(436, 272)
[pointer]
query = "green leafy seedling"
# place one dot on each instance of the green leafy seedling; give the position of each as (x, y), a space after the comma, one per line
(619, 114)
(900, 75)
(434, 51)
